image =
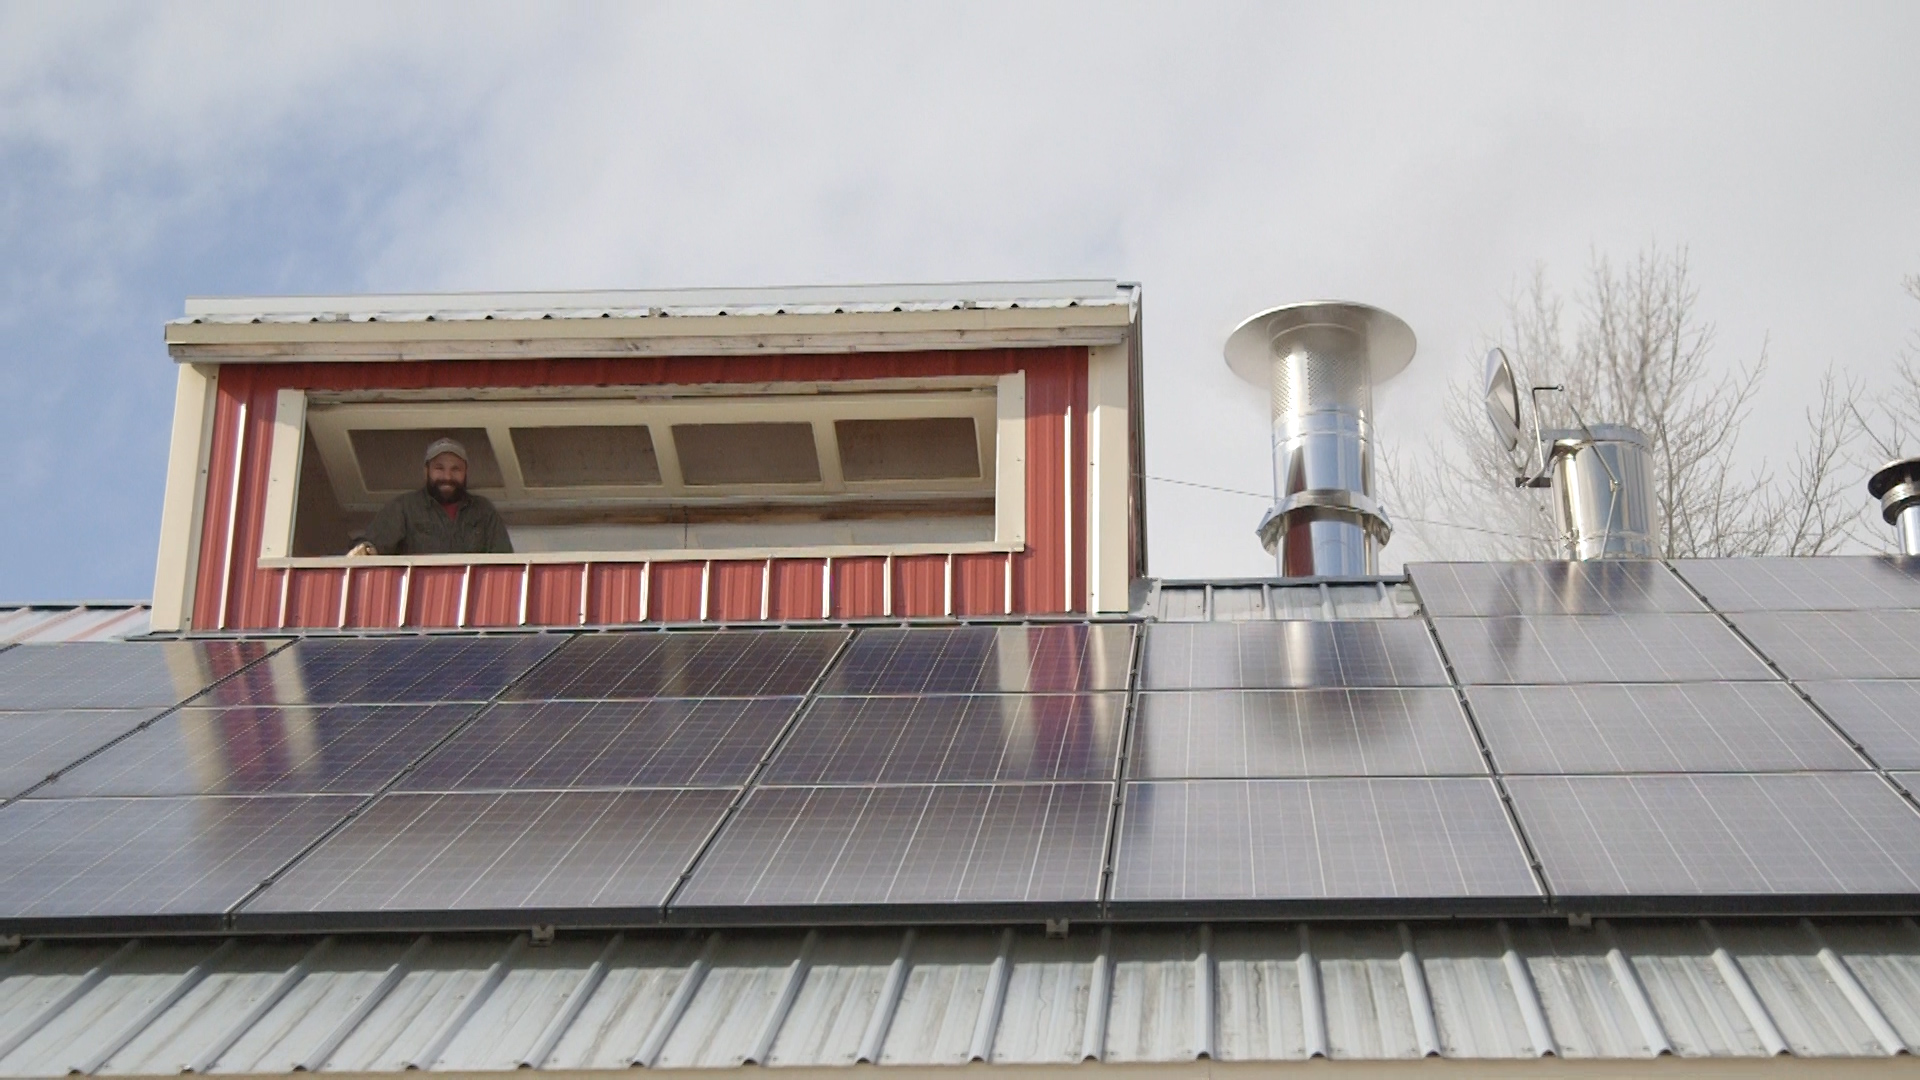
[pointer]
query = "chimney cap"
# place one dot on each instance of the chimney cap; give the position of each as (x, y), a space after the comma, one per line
(1387, 341)
(1897, 471)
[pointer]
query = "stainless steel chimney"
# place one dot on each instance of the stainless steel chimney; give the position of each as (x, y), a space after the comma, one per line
(1603, 492)
(1320, 361)
(1897, 485)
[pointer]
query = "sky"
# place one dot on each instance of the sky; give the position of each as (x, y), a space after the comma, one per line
(1420, 157)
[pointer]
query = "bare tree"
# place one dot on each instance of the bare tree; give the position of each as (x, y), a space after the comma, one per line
(1640, 355)
(1891, 429)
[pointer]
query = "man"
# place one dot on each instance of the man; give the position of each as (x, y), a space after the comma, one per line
(441, 518)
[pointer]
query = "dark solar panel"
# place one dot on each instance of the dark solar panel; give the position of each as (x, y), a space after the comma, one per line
(1596, 649)
(668, 742)
(1293, 654)
(1837, 644)
(1250, 733)
(521, 855)
(35, 745)
(1697, 727)
(985, 660)
(117, 675)
(913, 845)
(1883, 716)
(72, 859)
(978, 738)
(1302, 840)
(720, 663)
(1611, 587)
(1720, 835)
(1828, 583)
(387, 671)
(266, 750)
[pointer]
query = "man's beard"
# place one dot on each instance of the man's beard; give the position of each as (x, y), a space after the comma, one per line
(446, 492)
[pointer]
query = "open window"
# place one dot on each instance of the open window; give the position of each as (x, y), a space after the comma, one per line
(683, 469)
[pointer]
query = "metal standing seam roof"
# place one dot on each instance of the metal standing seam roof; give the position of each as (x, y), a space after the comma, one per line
(834, 997)
(49, 622)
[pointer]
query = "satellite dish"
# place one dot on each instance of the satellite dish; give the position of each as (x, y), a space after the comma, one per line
(1503, 400)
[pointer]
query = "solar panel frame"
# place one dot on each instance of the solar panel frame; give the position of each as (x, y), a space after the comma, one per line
(1653, 728)
(576, 745)
(118, 675)
(636, 665)
(1319, 847)
(416, 669)
(264, 750)
(37, 745)
(1571, 649)
(984, 659)
(1244, 734)
(137, 865)
(1708, 843)
(1882, 715)
(1289, 654)
(1827, 645)
(982, 851)
(1823, 583)
(495, 859)
(1605, 587)
(953, 738)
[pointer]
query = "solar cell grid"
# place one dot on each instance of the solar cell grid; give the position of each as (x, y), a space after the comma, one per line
(1882, 715)
(504, 857)
(1550, 588)
(953, 739)
(1700, 727)
(654, 664)
(35, 745)
(70, 860)
(1253, 733)
(1401, 839)
(1052, 658)
(1837, 644)
(113, 675)
(667, 742)
(1284, 655)
(1827, 583)
(266, 750)
(915, 845)
(1643, 838)
(422, 669)
(1558, 649)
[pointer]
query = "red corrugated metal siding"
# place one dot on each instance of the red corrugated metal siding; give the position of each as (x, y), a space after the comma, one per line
(433, 595)
(1056, 388)
(675, 592)
(979, 584)
(553, 594)
(794, 591)
(859, 588)
(493, 596)
(920, 586)
(733, 591)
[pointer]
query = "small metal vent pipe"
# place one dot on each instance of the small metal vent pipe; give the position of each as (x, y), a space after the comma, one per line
(1320, 362)
(1603, 492)
(1897, 485)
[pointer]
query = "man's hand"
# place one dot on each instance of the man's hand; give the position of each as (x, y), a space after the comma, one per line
(361, 548)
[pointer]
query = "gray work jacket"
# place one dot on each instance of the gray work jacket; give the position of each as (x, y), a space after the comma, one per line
(417, 524)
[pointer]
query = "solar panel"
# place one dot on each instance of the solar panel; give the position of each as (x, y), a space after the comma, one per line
(985, 659)
(1282, 655)
(1553, 649)
(267, 750)
(1697, 727)
(117, 675)
(388, 671)
(668, 742)
(1720, 835)
(1827, 583)
(716, 663)
(1837, 644)
(71, 861)
(35, 745)
(1188, 843)
(1250, 733)
(1610, 587)
(918, 846)
(952, 739)
(510, 858)
(1883, 716)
